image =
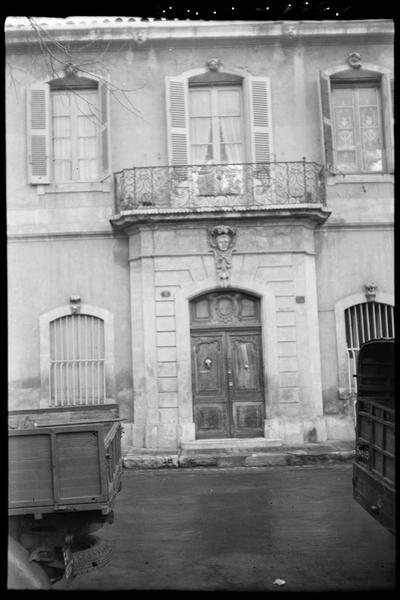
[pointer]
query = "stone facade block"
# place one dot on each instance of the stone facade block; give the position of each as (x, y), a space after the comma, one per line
(282, 288)
(165, 293)
(287, 318)
(167, 399)
(172, 277)
(289, 379)
(166, 369)
(287, 364)
(165, 323)
(166, 338)
(166, 354)
(167, 384)
(289, 395)
(284, 303)
(287, 349)
(165, 309)
(276, 273)
(286, 334)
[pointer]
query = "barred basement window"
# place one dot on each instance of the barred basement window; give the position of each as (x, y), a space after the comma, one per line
(77, 361)
(364, 322)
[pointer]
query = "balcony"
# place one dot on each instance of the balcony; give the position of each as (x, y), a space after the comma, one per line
(274, 187)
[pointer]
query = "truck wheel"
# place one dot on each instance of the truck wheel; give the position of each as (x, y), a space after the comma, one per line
(89, 552)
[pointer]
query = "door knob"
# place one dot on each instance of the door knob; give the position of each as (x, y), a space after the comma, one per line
(246, 366)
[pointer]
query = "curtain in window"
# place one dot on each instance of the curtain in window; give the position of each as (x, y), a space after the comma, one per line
(76, 123)
(62, 152)
(200, 126)
(230, 126)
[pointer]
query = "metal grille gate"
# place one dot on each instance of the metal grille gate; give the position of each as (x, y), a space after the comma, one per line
(364, 322)
(77, 369)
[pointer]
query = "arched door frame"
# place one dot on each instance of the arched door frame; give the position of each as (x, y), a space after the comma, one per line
(183, 296)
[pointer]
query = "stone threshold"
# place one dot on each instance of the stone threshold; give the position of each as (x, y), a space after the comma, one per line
(248, 453)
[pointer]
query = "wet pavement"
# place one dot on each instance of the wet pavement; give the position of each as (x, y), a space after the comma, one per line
(239, 529)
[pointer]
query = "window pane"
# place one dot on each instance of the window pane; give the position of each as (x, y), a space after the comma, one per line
(357, 129)
(228, 102)
(346, 161)
(368, 96)
(75, 130)
(200, 103)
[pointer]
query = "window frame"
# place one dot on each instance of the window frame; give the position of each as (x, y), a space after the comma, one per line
(45, 183)
(45, 355)
(345, 73)
(74, 139)
(341, 340)
(215, 117)
(355, 86)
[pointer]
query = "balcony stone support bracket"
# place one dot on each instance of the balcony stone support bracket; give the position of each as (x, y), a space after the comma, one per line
(222, 239)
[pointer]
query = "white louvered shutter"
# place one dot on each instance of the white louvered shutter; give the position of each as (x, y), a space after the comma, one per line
(259, 89)
(38, 133)
(105, 146)
(177, 120)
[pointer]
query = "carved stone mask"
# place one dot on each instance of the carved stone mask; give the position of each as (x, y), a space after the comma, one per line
(223, 241)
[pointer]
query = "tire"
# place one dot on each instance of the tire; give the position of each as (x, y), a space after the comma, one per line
(89, 552)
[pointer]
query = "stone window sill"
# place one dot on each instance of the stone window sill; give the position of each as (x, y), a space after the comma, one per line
(360, 178)
(74, 187)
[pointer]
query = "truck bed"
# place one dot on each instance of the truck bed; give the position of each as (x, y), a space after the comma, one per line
(63, 463)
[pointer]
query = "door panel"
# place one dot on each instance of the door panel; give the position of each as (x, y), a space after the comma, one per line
(246, 391)
(210, 397)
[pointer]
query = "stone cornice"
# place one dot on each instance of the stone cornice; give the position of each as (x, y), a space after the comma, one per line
(100, 29)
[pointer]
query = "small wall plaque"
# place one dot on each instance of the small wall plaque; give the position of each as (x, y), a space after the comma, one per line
(165, 294)
(300, 299)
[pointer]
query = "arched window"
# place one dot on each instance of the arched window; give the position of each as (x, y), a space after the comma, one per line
(76, 357)
(363, 322)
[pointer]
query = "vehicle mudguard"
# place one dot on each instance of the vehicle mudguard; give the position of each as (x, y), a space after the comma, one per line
(23, 574)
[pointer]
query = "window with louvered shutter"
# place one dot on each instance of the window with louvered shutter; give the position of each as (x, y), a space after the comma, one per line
(68, 131)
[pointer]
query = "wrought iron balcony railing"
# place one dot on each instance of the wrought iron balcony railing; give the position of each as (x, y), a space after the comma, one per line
(222, 185)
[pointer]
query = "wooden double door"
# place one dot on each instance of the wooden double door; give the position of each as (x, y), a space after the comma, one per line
(228, 398)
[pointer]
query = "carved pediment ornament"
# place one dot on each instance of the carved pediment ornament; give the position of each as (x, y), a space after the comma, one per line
(222, 239)
(354, 60)
(214, 64)
(370, 290)
(290, 30)
(75, 304)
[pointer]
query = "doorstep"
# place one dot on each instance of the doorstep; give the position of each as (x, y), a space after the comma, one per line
(256, 452)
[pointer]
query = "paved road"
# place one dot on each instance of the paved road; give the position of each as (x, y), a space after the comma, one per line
(240, 529)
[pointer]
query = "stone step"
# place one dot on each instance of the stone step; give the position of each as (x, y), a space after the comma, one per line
(196, 454)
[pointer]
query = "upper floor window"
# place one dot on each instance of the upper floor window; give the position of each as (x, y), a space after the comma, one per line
(357, 120)
(216, 131)
(358, 135)
(68, 130)
(219, 118)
